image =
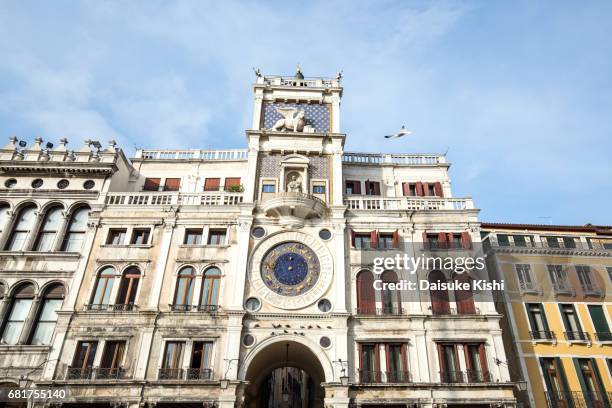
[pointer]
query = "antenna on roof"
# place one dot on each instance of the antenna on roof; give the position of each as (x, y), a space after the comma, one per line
(446, 152)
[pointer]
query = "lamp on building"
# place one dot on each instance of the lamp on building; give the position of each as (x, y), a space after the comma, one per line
(344, 379)
(224, 383)
(23, 381)
(521, 385)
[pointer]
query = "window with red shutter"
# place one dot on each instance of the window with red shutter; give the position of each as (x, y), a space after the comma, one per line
(466, 240)
(464, 298)
(212, 184)
(172, 184)
(366, 301)
(439, 298)
(395, 239)
(151, 184)
(438, 189)
(374, 239)
(419, 189)
(405, 189)
(231, 183)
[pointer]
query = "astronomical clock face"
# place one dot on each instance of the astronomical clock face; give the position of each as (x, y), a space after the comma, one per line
(290, 269)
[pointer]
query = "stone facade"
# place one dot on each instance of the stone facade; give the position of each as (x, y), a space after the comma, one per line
(180, 296)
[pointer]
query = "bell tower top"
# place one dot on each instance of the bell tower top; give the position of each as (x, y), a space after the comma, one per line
(297, 104)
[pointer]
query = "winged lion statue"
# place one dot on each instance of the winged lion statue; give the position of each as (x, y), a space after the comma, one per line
(293, 119)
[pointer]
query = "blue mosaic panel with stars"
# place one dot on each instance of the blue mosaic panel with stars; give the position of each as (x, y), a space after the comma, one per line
(316, 115)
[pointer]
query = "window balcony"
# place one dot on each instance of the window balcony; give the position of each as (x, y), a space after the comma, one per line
(369, 203)
(199, 374)
(171, 374)
(387, 310)
(563, 288)
(577, 337)
(199, 308)
(530, 288)
(397, 376)
(542, 336)
(565, 399)
(79, 373)
(294, 206)
(591, 289)
(117, 373)
(477, 376)
(209, 308)
(370, 377)
(94, 307)
(452, 377)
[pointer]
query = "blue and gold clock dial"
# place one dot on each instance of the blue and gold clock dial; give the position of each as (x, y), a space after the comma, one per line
(290, 269)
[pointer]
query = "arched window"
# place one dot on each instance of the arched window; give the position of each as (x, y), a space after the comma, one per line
(464, 298)
(103, 288)
(439, 297)
(73, 241)
(19, 309)
(47, 315)
(48, 230)
(126, 298)
(184, 289)
(21, 230)
(4, 210)
(210, 288)
(366, 300)
(390, 298)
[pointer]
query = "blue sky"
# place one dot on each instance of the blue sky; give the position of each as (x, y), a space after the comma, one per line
(520, 93)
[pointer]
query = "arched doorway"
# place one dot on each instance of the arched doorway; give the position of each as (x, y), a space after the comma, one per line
(284, 374)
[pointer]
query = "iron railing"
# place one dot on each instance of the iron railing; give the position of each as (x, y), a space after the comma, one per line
(397, 376)
(576, 336)
(386, 310)
(452, 377)
(116, 373)
(578, 399)
(94, 307)
(79, 373)
(171, 374)
(542, 335)
(603, 336)
(199, 374)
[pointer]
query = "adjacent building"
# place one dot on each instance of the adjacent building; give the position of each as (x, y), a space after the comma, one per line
(556, 310)
(190, 278)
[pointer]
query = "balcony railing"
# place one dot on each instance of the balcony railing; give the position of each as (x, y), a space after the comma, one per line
(217, 198)
(529, 287)
(188, 374)
(578, 399)
(407, 203)
(542, 335)
(109, 373)
(199, 308)
(171, 374)
(397, 376)
(94, 307)
(401, 159)
(477, 376)
(563, 288)
(97, 373)
(591, 289)
(199, 374)
(578, 336)
(452, 377)
(603, 337)
(207, 155)
(79, 373)
(370, 377)
(436, 246)
(387, 310)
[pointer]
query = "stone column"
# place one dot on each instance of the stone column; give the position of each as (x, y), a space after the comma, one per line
(250, 182)
(28, 245)
(240, 257)
(340, 273)
(162, 260)
(28, 324)
(7, 227)
(337, 185)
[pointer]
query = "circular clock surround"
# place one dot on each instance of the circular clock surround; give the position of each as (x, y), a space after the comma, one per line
(308, 279)
(290, 268)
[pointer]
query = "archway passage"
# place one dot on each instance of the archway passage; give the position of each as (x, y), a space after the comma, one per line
(285, 374)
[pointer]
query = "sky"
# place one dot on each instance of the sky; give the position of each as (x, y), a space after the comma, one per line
(518, 93)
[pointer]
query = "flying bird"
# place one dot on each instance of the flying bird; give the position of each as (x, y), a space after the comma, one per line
(402, 132)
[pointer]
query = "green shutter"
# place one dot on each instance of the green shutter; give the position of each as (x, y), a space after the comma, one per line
(530, 317)
(566, 389)
(582, 383)
(544, 319)
(599, 319)
(600, 383)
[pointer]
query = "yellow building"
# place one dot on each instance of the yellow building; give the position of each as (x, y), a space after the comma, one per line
(557, 310)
